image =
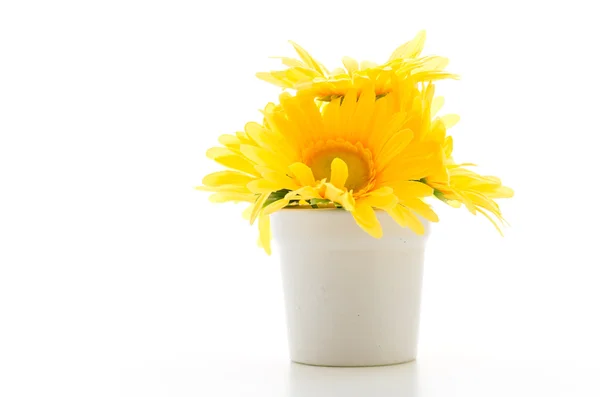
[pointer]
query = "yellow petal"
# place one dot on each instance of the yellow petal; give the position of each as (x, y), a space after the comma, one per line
(394, 146)
(264, 230)
(502, 192)
(257, 207)
(247, 212)
(230, 141)
(385, 201)
(481, 200)
(350, 64)
(331, 117)
(429, 76)
(223, 197)
(437, 132)
(305, 193)
(347, 109)
(405, 218)
(436, 105)
(450, 120)
(307, 58)
(365, 217)
(216, 152)
(491, 220)
(367, 65)
(448, 147)
(463, 199)
(303, 174)
(291, 62)
(296, 109)
(258, 134)
(410, 49)
(275, 206)
(379, 120)
(363, 113)
(231, 160)
(435, 63)
(405, 170)
(263, 186)
(411, 189)
(347, 201)
(244, 139)
(271, 78)
(281, 180)
(339, 173)
(421, 208)
(301, 74)
(263, 157)
(226, 178)
(337, 195)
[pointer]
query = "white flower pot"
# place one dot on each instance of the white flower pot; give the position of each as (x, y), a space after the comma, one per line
(351, 300)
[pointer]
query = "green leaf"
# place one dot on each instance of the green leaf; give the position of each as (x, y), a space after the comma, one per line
(319, 201)
(276, 196)
(440, 195)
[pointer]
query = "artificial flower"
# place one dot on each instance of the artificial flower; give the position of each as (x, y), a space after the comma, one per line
(456, 185)
(354, 152)
(310, 77)
(363, 138)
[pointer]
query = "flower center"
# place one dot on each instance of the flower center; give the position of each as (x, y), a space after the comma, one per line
(358, 159)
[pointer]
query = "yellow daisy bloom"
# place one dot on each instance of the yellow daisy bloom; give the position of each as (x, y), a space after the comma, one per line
(310, 77)
(354, 152)
(475, 191)
(454, 184)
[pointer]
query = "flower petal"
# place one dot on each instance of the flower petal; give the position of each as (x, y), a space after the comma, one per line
(394, 146)
(383, 201)
(365, 217)
(411, 189)
(264, 157)
(405, 218)
(450, 120)
(305, 193)
(231, 160)
(410, 49)
(307, 58)
(257, 206)
(223, 197)
(339, 173)
(275, 206)
(350, 64)
(226, 178)
(264, 231)
(303, 174)
(421, 208)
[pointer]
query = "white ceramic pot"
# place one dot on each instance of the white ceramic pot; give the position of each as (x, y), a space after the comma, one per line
(351, 300)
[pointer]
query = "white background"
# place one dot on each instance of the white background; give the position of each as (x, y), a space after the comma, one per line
(118, 278)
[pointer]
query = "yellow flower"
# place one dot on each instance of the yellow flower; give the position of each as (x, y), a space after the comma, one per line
(354, 152)
(475, 191)
(309, 77)
(454, 184)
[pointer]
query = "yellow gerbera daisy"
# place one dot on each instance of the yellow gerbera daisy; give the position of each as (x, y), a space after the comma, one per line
(354, 152)
(454, 184)
(310, 77)
(475, 191)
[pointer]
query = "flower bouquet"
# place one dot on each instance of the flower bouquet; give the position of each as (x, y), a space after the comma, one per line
(358, 147)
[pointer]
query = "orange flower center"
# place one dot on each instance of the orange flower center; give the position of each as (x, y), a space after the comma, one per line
(361, 170)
